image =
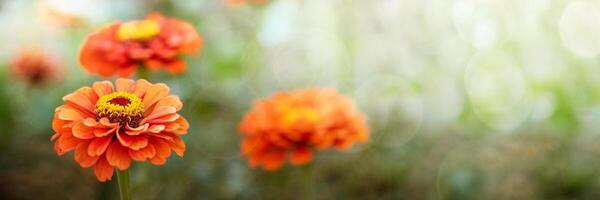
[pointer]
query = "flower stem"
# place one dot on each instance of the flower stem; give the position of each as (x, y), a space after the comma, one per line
(309, 180)
(143, 73)
(123, 179)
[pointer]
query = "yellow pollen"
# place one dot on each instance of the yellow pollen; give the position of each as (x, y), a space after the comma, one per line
(120, 107)
(301, 114)
(138, 30)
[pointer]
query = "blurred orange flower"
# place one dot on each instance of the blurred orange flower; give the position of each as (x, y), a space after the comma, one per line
(294, 124)
(156, 42)
(240, 2)
(111, 126)
(53, 13)
(35, 67)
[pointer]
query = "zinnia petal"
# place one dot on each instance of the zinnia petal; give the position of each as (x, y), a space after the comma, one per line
(103, 170)
(176, 67)
(141, 86)
(155, 93)
(301, 156)
(102, 88)
(136, 131)
(66, 143)
(134, 142)
(170, 100)
(99, 145)
(177, 145)
(70, 114)
(82, 157)
(124, 85)
(118, 156)
(160, 112)
(59, 125)
(81, 131)
(162, 152)
(156, 128)
(93, 54)
(143, 154)
(81, 99)
(273, 160)
(127, 71)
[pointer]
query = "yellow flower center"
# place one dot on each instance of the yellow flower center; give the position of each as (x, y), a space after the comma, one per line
(138, 30)
(122, 107)
(300, 114)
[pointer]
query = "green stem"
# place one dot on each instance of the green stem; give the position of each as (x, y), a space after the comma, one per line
(143, 73)
(123, 179)
(309, 180)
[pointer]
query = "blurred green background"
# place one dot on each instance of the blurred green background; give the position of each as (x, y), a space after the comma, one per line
(466, 99)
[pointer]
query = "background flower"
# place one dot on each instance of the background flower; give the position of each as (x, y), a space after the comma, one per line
(240, 2)
(36, 67)
(156, 42)
(294, 124)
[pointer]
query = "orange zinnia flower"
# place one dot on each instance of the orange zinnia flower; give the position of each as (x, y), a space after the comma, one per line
(109, 126)
(54, 13)
(296, 123)
(240, 2)
(35, 67)
(155, 42)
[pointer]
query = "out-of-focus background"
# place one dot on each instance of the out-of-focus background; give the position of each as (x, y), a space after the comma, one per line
(466, 99)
